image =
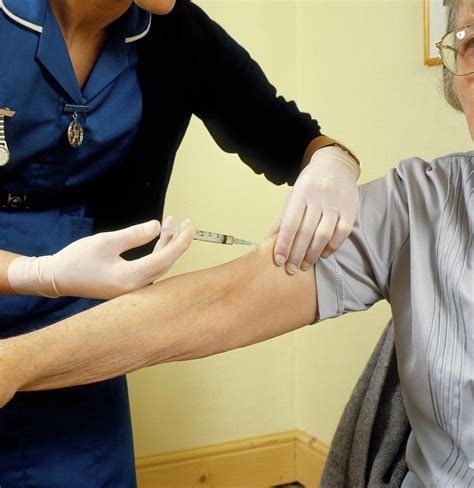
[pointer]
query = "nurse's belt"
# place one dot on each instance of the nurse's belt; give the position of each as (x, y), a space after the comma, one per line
(4, 151)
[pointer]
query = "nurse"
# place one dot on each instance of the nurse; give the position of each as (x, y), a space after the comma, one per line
(102, 92)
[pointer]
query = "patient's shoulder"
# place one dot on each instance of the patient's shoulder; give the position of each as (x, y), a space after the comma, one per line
(441, 170)
(424, 186)
(436, 181)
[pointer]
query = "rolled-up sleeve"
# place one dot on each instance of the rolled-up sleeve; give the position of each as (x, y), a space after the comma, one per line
(358, 274)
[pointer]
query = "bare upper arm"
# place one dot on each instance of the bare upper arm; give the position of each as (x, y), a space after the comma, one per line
(275, 301)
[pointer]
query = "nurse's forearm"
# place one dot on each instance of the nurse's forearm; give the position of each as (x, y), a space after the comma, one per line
(189, 316)
(5, 259)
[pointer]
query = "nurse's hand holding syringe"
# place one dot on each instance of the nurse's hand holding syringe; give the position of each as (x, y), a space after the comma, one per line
(92, 267)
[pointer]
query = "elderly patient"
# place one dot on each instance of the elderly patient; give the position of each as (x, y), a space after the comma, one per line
(412, 245)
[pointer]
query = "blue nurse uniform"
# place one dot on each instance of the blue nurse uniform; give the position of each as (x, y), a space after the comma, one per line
(74, 437)
(52, 194)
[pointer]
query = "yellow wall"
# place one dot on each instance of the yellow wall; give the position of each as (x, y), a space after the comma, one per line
(357, 67)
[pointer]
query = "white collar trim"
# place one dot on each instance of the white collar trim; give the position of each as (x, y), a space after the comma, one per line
(139, 36)
(26, 23)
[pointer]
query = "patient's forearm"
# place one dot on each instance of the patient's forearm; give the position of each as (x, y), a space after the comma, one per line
(189, 316)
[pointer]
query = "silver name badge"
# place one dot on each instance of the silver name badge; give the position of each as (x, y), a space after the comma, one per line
(4, 151)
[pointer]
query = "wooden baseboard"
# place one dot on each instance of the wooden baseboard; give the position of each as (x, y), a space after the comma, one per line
(259, 462)
(311, 457)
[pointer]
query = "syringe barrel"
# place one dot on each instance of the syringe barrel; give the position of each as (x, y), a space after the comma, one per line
(213, 237)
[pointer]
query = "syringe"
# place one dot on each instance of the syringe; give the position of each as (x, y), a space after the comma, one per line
(202, 235)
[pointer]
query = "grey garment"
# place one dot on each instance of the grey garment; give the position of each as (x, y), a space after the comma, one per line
(368, 448)
(412, 245)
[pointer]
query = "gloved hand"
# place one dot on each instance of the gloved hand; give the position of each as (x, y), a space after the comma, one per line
(320, 210)
(92, 267)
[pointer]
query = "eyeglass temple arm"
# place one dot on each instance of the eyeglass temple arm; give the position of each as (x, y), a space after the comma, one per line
(445, 46)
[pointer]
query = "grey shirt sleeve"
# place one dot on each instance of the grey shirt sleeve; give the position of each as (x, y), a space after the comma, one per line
(358, 274)
(412, 244)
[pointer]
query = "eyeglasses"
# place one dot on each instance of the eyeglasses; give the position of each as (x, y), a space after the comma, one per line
(456, 50)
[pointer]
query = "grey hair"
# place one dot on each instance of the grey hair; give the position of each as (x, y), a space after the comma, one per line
(448, 78)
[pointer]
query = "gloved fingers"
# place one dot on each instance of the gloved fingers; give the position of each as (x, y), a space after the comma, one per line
(167, 233)
(303, 239)
(154, 265)
(322, 236)
(184, 224)
(342, 231)
(349, 208)
(130, 237)
(273, 230)
(290, 224)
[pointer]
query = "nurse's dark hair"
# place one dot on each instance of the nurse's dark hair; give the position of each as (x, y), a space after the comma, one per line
(454, 6)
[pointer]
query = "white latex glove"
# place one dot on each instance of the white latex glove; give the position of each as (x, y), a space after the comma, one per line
(320, 210)
(92, 267)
